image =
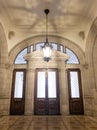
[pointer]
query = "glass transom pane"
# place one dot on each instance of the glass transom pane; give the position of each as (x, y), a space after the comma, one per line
(41, 85)
(73, 58)
(61, 48)
(51, 85)
(18, 91)
(20, 57)
(54, 46)
(31, 48)
(39, 46)
(74, 85)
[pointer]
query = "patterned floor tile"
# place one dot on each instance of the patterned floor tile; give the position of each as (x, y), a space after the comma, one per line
(48, 123)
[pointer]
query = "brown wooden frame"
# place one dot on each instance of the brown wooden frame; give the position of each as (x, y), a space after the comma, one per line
(74, 102)
(35, 90)
(17, 105)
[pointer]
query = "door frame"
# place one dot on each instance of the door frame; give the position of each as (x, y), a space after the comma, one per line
(72, 101)
(14, 110)
(57, 88)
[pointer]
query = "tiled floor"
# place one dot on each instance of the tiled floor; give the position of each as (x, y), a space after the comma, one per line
(48, 123)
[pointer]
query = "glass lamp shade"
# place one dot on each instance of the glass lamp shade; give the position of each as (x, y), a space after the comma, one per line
(47, 50)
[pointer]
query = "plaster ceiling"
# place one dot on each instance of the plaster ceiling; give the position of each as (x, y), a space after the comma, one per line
(70, 19)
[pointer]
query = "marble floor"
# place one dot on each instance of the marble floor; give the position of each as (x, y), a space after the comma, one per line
(48, 123)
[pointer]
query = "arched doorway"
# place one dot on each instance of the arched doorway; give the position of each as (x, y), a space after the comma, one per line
(36, 61)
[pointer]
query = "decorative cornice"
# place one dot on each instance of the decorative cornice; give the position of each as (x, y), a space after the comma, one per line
(56, 55)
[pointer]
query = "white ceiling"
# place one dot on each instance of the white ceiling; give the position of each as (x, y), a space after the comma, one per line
(70, 19)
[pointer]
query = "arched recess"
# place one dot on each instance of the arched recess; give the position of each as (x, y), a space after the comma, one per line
(56, 39)
(91, 74)
(3, 47)
(90, 52)
(3, 72)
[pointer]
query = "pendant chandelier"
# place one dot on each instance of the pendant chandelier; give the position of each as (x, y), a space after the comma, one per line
(47, 47)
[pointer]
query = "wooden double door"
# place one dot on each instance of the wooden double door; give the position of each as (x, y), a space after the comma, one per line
(46, 100)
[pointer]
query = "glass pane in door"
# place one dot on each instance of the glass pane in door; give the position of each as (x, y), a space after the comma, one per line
(18, 91)
(41, 85)
(74, 84)
(51, 84)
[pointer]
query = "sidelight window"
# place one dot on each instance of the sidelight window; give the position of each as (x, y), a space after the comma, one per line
(74, 85)
(18, 91)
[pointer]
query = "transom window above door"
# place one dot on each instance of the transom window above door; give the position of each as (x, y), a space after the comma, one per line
(58, 47)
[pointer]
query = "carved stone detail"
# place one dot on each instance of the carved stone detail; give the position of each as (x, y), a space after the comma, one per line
(38, 55)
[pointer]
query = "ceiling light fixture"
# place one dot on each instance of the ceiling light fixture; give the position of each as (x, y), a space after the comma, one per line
(47, 47)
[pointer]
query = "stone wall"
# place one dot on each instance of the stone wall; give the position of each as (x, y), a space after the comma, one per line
(4, 94)
(88, 77)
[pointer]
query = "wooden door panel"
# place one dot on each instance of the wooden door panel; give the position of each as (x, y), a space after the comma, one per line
(17, 107)
(75, 92)
(53, 107)
(76, 107)
(40, 107)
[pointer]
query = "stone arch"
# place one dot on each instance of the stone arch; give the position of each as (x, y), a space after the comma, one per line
(91, 60)
(57, 39)
(30, 71)
(91, 43)
(3, 47)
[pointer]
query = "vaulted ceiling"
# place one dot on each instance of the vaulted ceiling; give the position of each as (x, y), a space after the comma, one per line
(70, 19)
